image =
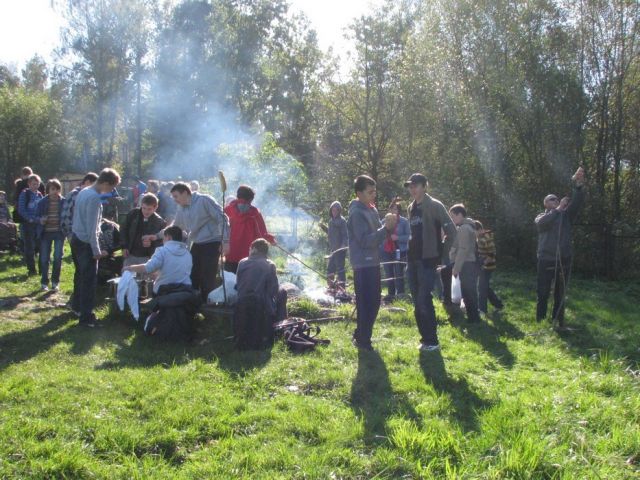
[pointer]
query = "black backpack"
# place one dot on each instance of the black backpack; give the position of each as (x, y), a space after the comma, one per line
(252, 326)
(299, 335)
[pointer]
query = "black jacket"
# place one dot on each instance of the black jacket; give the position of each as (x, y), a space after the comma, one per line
(554, 228)
(132, 232)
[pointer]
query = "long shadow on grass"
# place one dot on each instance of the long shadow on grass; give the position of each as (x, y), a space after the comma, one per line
(373, 399)
(464, 402)
(488, 336)
(135, 349)
(17, 347)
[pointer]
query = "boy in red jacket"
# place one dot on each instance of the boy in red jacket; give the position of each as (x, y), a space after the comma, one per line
(246, 225)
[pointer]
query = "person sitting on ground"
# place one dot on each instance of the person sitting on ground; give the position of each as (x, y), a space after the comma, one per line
(261, 302)
(465, 263)
(27, 209)
(246, 224)
(338, 246)
(487, 262)
(49, 212)
(140, 223)
(8, 229)
(257, 276)
(175, 302)
(172, 260)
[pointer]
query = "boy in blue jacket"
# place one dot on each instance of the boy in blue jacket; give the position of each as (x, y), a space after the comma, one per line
(49, 213)
(27, 208)
(366, 235)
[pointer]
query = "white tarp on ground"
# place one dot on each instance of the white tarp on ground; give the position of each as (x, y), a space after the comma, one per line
(217, 295)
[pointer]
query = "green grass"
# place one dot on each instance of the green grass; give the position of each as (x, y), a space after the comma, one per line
(505, 399)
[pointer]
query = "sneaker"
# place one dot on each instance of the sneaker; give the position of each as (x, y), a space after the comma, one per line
(55, 287)
(361, 346)
(44, 287)
(423, 347)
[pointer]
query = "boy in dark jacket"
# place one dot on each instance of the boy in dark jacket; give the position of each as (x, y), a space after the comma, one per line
(141, 222)
(49, 212)
(257, 276)
(27, 209)
(338, 244)
(366, 235)
(554, 247)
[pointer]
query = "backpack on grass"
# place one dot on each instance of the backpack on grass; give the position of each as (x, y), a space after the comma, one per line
(299, 335)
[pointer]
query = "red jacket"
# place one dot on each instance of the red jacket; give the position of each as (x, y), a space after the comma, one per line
(245, 228)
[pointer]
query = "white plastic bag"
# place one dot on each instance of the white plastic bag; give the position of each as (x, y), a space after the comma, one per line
(217, 295)
(456, 290)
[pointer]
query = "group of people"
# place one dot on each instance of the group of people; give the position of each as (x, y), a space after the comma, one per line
(429, 246)
(436, 244)
(182, 249)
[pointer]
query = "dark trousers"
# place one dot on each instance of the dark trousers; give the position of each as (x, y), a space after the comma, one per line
(559, 274)
(30, 234)
(367, 286)
(231, 267)
(469, 287)
(445, 276)
(485, 292)
(86, 280)
(394, 272)
(336, 266)
(281, 305)
(205, 267)
(49, 239)
(421, 281)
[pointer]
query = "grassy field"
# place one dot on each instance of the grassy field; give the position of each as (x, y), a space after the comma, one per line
(507, 398)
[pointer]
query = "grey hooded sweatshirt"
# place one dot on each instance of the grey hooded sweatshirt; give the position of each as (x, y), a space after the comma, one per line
(337, 234)
(174, 262)
(366, 234)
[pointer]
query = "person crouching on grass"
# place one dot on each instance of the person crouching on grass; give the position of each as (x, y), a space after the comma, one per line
(366, 236)
(49, 213)
(173, 261)
(465, 263)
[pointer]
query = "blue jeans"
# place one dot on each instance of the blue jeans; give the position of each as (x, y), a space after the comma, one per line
(57, 239)
(30, 234)
(367, 286)
(86, 280)
(421, 281)
(394, 271)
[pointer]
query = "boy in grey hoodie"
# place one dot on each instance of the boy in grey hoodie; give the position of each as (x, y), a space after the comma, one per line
(338, 243)
(366, 235)
(464, 259)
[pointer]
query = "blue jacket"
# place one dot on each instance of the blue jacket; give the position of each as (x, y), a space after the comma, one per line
(27, 205)
(41, 212)
(366, 235)
(174, 262)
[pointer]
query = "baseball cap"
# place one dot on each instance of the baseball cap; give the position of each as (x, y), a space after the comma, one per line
(415, 179)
